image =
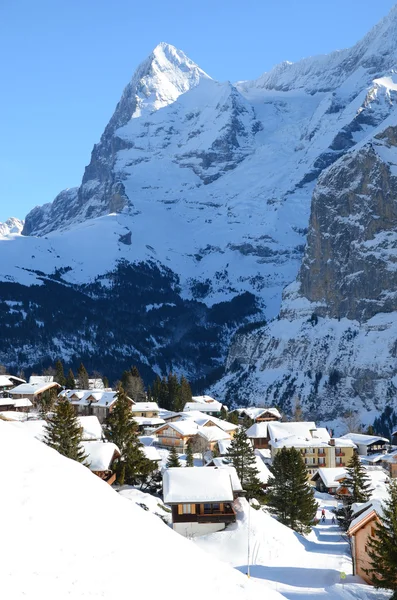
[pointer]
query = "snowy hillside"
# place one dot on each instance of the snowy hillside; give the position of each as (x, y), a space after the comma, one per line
(197, 201)
(69, 535)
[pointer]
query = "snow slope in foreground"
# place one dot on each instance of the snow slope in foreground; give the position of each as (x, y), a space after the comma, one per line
(295, 566)
(67, 534)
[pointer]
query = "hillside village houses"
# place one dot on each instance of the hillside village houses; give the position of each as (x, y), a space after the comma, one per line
(204, 404)
(257, 414)
(34, 389)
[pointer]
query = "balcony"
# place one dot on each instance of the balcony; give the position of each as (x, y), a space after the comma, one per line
(323, 454)
(339, 453)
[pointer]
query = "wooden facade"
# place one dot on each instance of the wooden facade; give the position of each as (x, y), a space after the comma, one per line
(211, 512)
(360, 534)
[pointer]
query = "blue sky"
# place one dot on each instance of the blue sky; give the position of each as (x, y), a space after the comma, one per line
(65, 64)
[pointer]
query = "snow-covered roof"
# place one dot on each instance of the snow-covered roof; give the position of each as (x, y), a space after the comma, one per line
(187, 427)
(223, 446)
(257, 430)
(41, 379)
(151, 453)
(22, 403)
(392, 457)
(149, 421)
(7, 402)
(95, 397)
(92, 429)
(197, 484)
(363, 439)
(203, 407)
(100, 455)
(225, 425)
(255, 412)
(264, 472)
(264, 453)
(13, 415)
(329, 475)
(213, 434)
(30, 389)
(145, 407)
(223, 463)
(204, 399)
(364, 510)
(5, 381)
(301, 429)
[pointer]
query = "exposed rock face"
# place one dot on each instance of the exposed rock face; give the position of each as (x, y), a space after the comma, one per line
(350, 264)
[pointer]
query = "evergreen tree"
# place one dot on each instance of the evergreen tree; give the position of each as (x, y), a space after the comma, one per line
(156, 390)
(46, 402)
(174, 393)
(122, 430)
(290, 498)
(233, 418)
(247, 422)
(173, 458)
(382, 547)
(344, 515)
(185, 393)
(189, 456)
(82, 377)
(357, 481)
(59, 376)
(70, 382)
(242, 456)
(105, 381)
(63, 431)
(164, 398)
(224, 414)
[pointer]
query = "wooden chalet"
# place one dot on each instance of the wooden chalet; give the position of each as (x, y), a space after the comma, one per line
(34, 391)
(201, 499)
(176, 434)
(361, 528)
(259, 436)
(100, 459)
(258, 414)
(98, 403)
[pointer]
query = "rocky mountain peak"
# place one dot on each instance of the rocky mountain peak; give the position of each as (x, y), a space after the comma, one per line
(11, 226)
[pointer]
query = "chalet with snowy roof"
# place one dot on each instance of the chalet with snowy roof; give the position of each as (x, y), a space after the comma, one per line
(148, 425)
(152, 454)
(100, 459)
(176, 434)
(98, 403)
(223, 447)
(318, 449)
(149, 410)
(15, 404)
(327, 479)
(204, 404)
(258, 434)
(205, 421)
(33, 391)
(212, 435)
(201, 499)
(363, 526)
(222, 463)
(368, 444)
(41, 379)
(258, 414)
(389, 463)
(8, 382)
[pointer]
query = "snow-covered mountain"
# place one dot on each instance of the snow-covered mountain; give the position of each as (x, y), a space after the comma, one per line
(192, 215)
(11, 226)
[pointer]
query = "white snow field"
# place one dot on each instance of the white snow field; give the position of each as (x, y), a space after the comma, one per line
(68, 535)
(296, 566)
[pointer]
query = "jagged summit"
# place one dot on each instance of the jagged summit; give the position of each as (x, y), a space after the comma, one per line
(375, 53)
(11, 226)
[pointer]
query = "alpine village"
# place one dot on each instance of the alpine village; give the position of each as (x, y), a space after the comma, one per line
(193, 401)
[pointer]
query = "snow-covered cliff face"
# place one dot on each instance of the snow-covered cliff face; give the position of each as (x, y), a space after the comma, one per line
(212, 183)
(334, 345)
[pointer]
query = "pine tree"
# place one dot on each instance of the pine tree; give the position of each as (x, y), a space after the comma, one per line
(59, 373)
(46, 402)
(223, 414)
(189, 456)
(185, 393)
(173, 458)
(382, 547)
(290, 498)
(105, 381)
(63, 431)
(155, 390)
(164, 397)
(344, 516)
(82, 377)
(233, 418)
(70, 383)
(174, 392)
(242, 456)
(122, 430)
(357, 481)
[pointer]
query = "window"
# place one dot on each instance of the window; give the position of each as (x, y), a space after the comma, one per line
(187, 509)
(321, 461)
(309, 461)
(216, 507)
(207, 508)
